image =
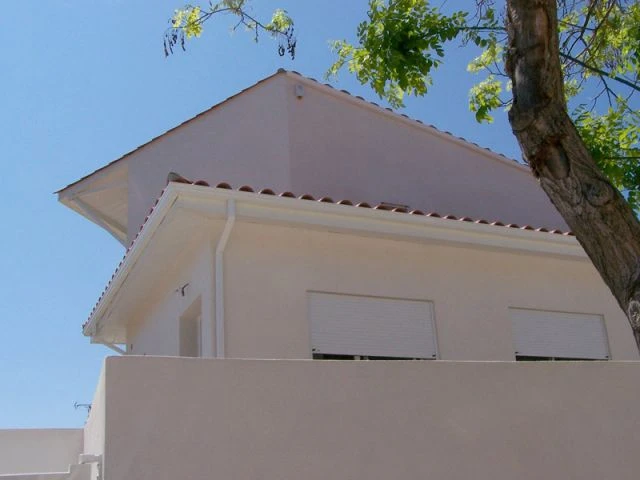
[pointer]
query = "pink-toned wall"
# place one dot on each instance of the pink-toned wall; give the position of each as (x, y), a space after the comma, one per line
(331, 144)
(154, 330)
(171, 418)
(345, 148)
(39, 450)
(243, 141)
(94, 429)
(270, 269)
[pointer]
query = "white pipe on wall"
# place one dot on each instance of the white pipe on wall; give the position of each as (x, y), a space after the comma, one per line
(219, 278)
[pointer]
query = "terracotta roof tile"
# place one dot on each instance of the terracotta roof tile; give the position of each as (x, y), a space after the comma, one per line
(380, 206)
(383, 207)
(247, 188)
(146, 219)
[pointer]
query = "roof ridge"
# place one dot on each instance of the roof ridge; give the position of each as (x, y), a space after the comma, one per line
(189, 120)
(407, 117)
(281, 71)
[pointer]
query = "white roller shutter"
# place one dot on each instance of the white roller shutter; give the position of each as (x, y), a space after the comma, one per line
(539, 333)
(371, 326)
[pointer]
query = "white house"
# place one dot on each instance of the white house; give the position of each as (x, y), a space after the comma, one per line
(400, 243)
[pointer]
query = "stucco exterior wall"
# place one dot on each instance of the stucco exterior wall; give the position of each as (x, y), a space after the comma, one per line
(345, 148)
(94, 440)
(244, 419)
(242, 141)
(270, 269)
(155, 328)
(39, 450)
(335, 145)
(471, 290)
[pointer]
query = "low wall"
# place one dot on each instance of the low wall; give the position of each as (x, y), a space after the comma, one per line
(170, 418)
(39, 450)
(94, 429)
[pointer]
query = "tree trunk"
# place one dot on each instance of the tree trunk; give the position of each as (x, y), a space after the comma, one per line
(603, 222)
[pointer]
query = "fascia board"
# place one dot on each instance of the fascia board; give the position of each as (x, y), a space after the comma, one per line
(349, 219)
(132, 256)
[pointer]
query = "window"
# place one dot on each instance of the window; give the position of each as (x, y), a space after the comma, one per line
(190, 331)
(374, 328)
(545, 335)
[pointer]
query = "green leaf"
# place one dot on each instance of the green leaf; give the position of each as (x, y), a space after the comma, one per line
(485, 97)
(399, 47)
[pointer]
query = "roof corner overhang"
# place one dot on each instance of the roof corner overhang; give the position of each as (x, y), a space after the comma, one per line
(102, 198)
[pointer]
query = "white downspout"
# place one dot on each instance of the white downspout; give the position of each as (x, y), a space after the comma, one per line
(219, 278)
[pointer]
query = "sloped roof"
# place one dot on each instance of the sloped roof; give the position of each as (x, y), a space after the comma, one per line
(266, 79)
(204, 112)
(379, 206)
(323, 200)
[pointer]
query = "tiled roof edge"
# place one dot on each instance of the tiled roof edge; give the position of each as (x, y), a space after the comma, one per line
(307, 197)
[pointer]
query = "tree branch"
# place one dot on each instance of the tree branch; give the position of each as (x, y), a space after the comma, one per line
(601, 72)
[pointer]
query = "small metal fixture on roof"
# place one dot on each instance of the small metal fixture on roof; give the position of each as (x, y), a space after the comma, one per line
(176, 177)
(299, 90)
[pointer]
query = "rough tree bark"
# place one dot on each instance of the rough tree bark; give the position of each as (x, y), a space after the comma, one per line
(598, 215)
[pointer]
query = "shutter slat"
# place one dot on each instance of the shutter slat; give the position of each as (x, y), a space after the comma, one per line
(371, 326)
(556, 334)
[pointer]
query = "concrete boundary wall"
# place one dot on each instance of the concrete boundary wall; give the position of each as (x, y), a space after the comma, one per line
(171, 418)
(39, 450)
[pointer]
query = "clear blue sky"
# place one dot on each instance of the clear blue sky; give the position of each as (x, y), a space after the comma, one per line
(84, 82)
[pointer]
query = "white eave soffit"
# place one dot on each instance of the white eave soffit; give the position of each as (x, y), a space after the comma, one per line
(102, 198)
